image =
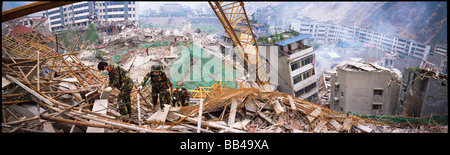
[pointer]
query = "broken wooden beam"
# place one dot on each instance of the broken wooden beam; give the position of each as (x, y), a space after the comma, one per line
(87, 124)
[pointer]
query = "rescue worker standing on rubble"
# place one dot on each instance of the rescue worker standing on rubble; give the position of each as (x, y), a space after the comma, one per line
(160, 85)
(176, 97)
(119, 78)
(184, 96)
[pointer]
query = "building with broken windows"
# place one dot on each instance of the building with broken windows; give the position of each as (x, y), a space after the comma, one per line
(364, 88)
(424, 93)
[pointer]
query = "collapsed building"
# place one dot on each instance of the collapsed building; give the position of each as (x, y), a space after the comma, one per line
(47, 88)
(424, 93)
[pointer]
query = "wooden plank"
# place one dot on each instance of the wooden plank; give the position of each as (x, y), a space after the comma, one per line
(200, 112)
(278, 108)
(347, 124)
(316, 112)
(5, 82)
(336, 125)
(232, 112)
(320, 126)
(291, 102)
(160, 116)
(364, 128)
(100, 107)
(266, 118)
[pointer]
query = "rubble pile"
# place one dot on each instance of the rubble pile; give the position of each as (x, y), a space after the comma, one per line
(58, 92)
(249, 111)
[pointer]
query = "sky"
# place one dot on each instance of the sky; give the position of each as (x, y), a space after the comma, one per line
(13, 4)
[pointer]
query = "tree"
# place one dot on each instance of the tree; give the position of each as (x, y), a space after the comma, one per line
(68, 38)
(91, 34)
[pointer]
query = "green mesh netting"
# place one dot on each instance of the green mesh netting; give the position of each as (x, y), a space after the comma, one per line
(207, 69)
(441, 119)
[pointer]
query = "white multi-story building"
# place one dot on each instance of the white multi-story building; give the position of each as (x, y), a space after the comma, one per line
(296, 68)
(84, 13)
(329, 32)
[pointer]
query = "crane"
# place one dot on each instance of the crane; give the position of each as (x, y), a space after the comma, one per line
(234, 20)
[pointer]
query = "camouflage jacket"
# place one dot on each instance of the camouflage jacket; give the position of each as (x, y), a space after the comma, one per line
(176, 93)
(118, 77)
(184, 95)
(158, 82)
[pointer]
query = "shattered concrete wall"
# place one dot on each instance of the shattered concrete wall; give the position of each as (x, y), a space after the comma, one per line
(424, 96)
(436, 99)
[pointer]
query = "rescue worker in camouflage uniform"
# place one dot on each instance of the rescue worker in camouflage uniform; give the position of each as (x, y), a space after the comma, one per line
(184, 97)
(176, 97)
(160, 85)
(119, 78)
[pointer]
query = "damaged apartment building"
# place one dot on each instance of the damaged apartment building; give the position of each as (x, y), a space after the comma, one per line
(364, 88)
(296, 61)
(424, 93)
(296, 67)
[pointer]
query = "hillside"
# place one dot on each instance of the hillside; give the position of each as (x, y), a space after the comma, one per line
(424, 22)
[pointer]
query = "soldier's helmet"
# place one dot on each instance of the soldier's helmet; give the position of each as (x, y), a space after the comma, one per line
(156, 67)
(183, 88)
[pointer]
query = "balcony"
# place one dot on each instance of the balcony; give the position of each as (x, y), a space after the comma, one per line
(300, 52)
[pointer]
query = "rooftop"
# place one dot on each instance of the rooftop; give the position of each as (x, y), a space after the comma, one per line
(293, 39)
(20, 29)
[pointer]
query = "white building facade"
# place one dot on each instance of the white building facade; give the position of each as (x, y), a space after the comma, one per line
(84, 13)
(329, 32)
(296, 68)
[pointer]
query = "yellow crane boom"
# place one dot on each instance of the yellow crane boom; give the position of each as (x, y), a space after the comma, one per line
(234, 20)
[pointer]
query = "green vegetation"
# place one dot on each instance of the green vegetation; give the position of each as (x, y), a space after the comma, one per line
(414, 69)
(277, 37)
(99, 53)
(69, 38)
(91, 35)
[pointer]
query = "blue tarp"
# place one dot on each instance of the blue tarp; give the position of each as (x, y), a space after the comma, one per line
(293, 39)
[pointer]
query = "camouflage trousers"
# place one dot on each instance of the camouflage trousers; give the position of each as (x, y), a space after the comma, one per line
(124, 98)
(164, 97)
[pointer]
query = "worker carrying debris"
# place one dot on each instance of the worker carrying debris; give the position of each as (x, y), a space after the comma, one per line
(119, 78)
(184, 96)
(160, 85)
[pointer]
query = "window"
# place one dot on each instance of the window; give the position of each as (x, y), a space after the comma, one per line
(297, 78)
(378, 91)
(294, 66)
(53, 12)
(300, 92)
(376, 107)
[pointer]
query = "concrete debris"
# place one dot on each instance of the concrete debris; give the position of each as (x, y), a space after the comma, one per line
(69, 97)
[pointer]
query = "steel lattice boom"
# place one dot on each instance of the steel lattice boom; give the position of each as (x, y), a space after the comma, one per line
(234, 20)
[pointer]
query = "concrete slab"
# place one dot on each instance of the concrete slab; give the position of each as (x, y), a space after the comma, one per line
(100, 106)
